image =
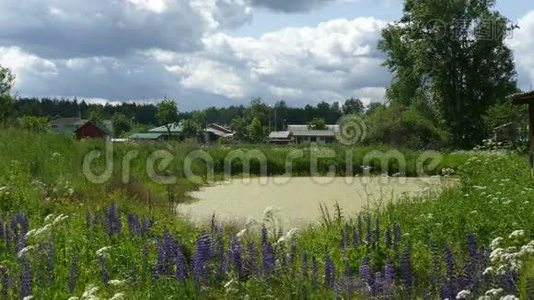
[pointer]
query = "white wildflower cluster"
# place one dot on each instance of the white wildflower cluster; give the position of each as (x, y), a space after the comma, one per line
(446, 172)
(40, 186)
(103, 251)
(505, 259)
(49, 222)
(288, 236)
(4, 191)
(492, 145)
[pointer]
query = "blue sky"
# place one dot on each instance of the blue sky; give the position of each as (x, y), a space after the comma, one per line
(213, 52)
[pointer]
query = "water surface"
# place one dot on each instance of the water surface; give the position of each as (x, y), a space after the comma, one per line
(298, 199)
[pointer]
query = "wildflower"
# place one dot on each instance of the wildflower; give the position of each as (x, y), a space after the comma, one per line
(495, 243)
(59, 218)
(25, 250)
(241, 233)
(73, 274)
(103, 251)
(112, 222)
(464, 294)
(389, 276)
(509, 297)
(90, 292)
(268, 257)
(366, 273)
(304, 265)
(236, 257)
(406, 268)
(104, 272)
(493, 292)
(116, 282)
(181, 267)
(517, 234)
(314, 272)
(202, 256)
(5, 280)
(117, 296)
(26, 279)
(329, 272)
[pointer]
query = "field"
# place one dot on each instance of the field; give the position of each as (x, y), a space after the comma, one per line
(63, 236)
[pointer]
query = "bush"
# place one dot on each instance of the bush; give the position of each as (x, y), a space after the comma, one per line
(402, 126)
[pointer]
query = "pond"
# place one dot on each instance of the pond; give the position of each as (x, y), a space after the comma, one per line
(297, 200)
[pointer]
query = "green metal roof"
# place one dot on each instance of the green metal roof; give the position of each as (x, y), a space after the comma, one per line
(145, 136)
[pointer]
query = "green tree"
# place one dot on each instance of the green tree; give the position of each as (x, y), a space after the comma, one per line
(352, 107)
(255, 131)
(121, 124)
(190, 128)
(317, 124)
(240, 127)
(6, 102)
(167, 114)
(451, 55)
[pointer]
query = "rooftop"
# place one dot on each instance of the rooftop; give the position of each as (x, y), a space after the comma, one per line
(145, 136)
(175, 128)
(522, 98)
(279, 135)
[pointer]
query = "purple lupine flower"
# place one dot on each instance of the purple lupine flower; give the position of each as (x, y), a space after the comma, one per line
(396, 238)
(435, 269)
(406, 268)
(472, 245)
(236, 258)
(251, 261)
(112, 222)
(387, 237)
(160, 268)
(389, 278)
(449, 262)
(203, 253)
(50, 257)
(264, 235)
(134, 226)
(377, 287)
(26, 279)
(8, 237)
(329, 272)
(73, 273)
(104, 272)
(314, 272)
(6, 282)
(1, 228)
(181, 265)
(366, 273)
(304, 265)
(146, 225)
(369, 233)
(97, 222)
(268, 257)
(222, 266)
(377, 232)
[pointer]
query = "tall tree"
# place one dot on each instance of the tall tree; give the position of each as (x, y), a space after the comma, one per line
(352, 106)
(167, 114)
(121, 124)
(450, 55)
(255, 131)
(6, 102)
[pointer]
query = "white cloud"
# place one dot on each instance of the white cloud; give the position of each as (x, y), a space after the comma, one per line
(522, 44)
(26, 66)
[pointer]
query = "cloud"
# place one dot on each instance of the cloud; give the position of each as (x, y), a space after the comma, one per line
(522, 45)
(332, 61)
(290, 5)
(79, 28)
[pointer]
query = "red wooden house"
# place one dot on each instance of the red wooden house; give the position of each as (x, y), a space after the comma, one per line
(92, 129)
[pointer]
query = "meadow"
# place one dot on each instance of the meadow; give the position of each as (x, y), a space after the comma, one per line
(63, 237)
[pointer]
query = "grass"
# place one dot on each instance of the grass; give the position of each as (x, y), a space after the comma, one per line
(434, 246)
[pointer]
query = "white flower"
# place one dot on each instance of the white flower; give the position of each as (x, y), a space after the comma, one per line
(48, 218)
(487, 271)
(241, 233)
(509, 297)
(73, 298)
(495, 243)
(90, 291)
(463, 294)
(103, 251)
(228, 284)
(493, 292)
(116, 282)
(117, 296)
(517, 234)
(28, 297)
(289, 235)
(60, 218)
(25, 250)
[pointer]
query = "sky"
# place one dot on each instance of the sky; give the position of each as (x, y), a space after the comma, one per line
(213, 52)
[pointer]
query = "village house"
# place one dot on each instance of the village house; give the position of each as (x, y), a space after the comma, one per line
(81, 128)
(215, 132)
(302, 134)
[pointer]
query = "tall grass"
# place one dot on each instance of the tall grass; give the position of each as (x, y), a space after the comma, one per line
(430, 247)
